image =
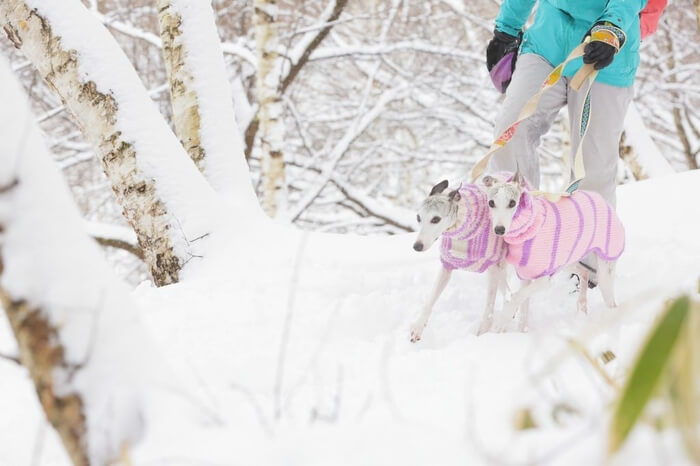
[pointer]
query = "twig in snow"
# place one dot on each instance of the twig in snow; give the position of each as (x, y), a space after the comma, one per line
(264, 422)
(317, 415)
(8, 187)
(9, 357)
(578, 346)
(279, 378)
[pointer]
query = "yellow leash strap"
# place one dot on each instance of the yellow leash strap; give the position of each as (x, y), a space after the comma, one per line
(585, 73)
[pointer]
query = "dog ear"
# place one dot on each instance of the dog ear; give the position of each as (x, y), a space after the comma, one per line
(440, 187)
(488, 181)
(525, 200)
(455, 196)
(519, 179)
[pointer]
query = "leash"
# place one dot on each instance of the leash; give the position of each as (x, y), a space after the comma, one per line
(587, 73)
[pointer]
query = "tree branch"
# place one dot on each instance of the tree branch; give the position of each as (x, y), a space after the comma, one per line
(9, 357)
(119, 244)
(312, 44)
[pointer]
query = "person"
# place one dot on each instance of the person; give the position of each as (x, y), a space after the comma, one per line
(558, 27)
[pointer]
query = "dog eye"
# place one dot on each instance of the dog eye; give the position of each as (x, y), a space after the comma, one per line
(492, 204)
(511, 204)
(435, 220)
(418, 218)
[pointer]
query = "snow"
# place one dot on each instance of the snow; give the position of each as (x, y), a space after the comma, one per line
(224, 165)
(296, 348)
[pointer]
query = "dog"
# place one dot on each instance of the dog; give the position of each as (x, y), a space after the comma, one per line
(544, 237)
(461, 218)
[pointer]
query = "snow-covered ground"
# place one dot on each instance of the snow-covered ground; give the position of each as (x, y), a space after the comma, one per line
(295, 350)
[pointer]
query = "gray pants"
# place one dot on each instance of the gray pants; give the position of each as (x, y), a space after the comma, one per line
(601, 144)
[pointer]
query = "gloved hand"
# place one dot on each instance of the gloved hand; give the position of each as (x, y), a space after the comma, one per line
(601, 53)
(501, 54)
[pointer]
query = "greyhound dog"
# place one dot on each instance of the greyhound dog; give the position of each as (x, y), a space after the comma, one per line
(461, 217)
(543, 237)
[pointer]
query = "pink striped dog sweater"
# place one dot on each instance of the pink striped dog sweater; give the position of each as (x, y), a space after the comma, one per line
(472, 245)
(545, 236)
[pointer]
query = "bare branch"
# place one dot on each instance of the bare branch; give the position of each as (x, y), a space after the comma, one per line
(312, 44)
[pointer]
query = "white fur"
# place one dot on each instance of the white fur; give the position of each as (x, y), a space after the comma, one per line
(442, 208)
(503, 199)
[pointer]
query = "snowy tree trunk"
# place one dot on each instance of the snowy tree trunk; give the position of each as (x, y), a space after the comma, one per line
(297, 59)
(147, 167)
(638, 150)
(271, 126)
(41, 352)
(201, 98)
(67, 312)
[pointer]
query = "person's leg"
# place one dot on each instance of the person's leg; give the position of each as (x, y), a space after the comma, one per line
(530, 72)
(601, 144)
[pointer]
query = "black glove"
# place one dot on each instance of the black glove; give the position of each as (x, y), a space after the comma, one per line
(600, 53)
(500, 46)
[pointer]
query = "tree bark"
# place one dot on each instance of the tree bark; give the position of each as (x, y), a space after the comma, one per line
(136, 167)
(41, 352)
(40, 289)
(638, 150)
(628, 156)
(270, 108)
(690, 156)
(201, 96)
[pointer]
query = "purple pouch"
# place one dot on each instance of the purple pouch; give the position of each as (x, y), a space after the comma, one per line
(502, 72)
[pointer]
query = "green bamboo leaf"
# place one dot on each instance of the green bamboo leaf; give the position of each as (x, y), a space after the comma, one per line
(647, 372)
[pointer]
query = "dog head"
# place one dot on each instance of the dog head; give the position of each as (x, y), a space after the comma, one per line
(437, 213)
(503, 199)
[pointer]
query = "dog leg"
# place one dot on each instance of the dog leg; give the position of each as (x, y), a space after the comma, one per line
(606, 281)
(496, 276)
(582, 302)
(524, 312)
(418, 327)
(511, 306)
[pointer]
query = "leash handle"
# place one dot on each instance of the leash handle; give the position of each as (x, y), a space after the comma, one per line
(586, 73)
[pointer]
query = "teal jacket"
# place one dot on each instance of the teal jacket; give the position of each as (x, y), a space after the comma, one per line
(560, 25)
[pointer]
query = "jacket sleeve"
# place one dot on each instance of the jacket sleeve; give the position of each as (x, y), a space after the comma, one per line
(650, 16)
(513, 15)
(622, 13)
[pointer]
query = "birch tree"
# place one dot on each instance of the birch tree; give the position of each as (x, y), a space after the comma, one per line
(200, 93)
(67, 312)
(147, 167)
(270, 122)
(638, 150)
(329, 52)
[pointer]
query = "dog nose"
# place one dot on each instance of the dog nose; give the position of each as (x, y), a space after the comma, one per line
(418, 246)
(499, 230)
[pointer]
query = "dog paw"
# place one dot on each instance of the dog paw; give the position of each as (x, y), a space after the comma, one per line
(500, 326)
(416, 331)
(485, 327)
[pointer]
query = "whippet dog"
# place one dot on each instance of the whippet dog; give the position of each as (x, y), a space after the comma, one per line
(543, 237)
(461, 218)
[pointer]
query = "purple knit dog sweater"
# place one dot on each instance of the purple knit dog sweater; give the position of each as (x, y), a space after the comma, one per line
(545, 236)
(471, 244)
